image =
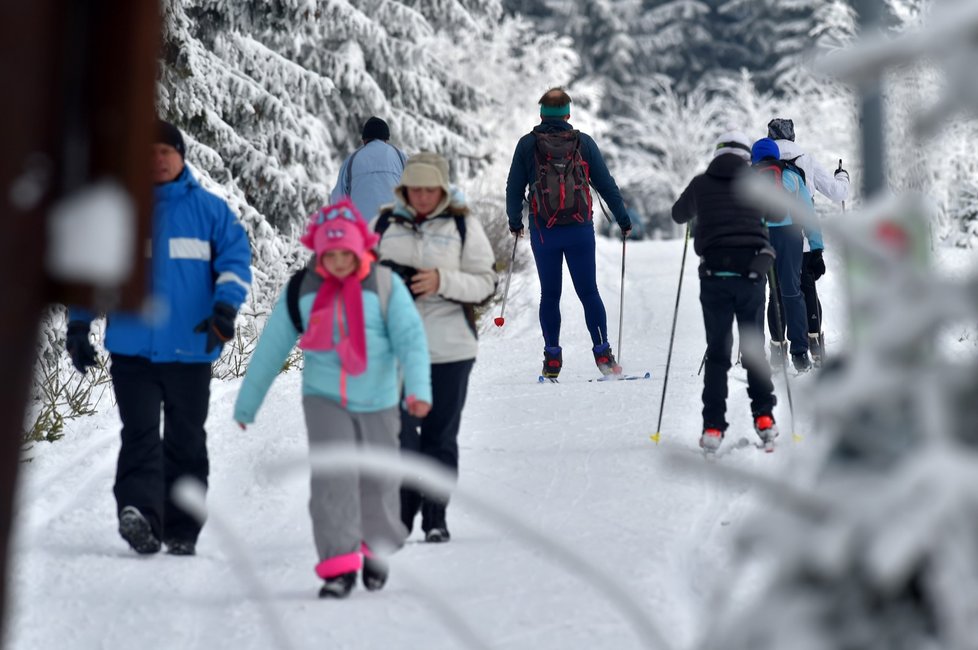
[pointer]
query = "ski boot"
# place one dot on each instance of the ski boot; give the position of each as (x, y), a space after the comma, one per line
(815, 347)
(605, 360)
(710, 441)
(801, 362)
(766, 430)
(552, 362)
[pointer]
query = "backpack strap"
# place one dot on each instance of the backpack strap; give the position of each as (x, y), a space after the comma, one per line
(349, 171)
(292, 298)
(460, 226)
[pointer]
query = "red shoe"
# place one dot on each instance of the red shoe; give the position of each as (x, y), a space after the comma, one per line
(710, 440)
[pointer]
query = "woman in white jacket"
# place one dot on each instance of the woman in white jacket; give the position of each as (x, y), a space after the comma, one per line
(444, 256)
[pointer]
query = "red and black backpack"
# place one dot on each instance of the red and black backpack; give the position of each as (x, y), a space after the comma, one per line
(561, 194)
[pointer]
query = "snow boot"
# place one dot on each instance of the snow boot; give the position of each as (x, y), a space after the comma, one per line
(710, 440)
(777, 355)
(433, 522)
(375, 569)
(134, 528)
(338, 586)
(180, 547)
(552, 362)
(766, 430)
(605, 360)
(801, 362)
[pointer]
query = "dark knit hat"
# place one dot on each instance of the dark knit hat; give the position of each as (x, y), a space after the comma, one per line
(763, 149)
(375, 129)
(781, 129)
(169, 134)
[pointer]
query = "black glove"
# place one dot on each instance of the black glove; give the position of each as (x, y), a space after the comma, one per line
(518, 232)
(219, 326)
(816, 265)
(760, 265)
(79, 346)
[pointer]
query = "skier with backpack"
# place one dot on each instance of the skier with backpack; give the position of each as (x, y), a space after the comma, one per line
(430, 238)
(735, 255)
(835, 187)
(560, 164)
(787, 238)
(359, 333)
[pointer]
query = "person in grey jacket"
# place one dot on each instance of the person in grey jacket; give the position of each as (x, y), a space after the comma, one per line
(441, 250)
(368, 176)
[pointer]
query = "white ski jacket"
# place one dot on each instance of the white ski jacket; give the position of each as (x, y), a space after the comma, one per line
(816, 177)
(465, 273)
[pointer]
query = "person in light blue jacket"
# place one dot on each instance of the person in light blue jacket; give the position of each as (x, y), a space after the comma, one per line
(201, 273)
(357, 327)
(368, 176)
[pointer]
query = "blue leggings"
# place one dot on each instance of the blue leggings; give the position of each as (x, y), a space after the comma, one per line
(550, 247)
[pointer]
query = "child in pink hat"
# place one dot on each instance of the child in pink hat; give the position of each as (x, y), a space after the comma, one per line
(357, 328)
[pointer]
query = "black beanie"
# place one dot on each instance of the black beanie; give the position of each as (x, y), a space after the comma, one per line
(169, 134)
(781, 129)
(375, 129)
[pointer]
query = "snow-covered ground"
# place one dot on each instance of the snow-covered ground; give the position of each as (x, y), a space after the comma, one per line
(573, 460)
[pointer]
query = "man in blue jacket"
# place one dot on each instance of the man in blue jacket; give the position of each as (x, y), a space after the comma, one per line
(559, 164)
(370, 174)
(201, 273)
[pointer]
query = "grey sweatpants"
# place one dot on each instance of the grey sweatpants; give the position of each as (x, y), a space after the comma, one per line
(348, 508)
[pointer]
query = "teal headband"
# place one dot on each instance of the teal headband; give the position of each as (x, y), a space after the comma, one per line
(555, 111)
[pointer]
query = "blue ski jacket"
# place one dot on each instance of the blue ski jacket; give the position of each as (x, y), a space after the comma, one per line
(200, 256)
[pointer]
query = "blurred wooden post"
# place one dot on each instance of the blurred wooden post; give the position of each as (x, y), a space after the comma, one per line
(79, 82)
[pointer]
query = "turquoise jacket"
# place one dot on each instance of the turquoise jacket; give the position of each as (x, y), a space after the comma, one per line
(399, 343)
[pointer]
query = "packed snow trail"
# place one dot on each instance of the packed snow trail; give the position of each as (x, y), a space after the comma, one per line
(572, 459)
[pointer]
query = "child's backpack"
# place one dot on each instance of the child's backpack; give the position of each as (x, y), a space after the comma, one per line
(379, 281)
(561, 194)
(787, 175)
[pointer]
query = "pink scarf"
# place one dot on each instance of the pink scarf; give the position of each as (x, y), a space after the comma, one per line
(347, 294)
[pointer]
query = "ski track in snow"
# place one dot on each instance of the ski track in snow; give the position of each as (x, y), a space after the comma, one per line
(573, 459)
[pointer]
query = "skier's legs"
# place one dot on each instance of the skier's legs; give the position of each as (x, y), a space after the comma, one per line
(718, 313)
(813, 307)
(548, 255)
(788, 243)
(580, 252)
(750, 325)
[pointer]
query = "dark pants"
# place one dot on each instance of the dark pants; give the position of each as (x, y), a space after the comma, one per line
(813, 306)
(435, 436)
(575, 243)
(148, 466)
(723, 299)
(788, 242)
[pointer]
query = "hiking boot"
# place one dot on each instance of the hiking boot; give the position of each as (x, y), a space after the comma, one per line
(433, 521)
(801, 362)
(777, 355)
(766, 429)
(181, 547)
(375, 572)
(710, 440)
(815, 348)
(605, 360)
(338, 586)
(137, 532)
(552, 362)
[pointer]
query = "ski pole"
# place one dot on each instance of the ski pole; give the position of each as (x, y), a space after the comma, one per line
(499, 320)
(775, 290)
(672, 336)
(621, 299)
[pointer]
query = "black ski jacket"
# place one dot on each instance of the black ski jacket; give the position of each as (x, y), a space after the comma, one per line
(723, 218)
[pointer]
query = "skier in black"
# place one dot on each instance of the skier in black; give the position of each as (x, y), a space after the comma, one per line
(735, 256)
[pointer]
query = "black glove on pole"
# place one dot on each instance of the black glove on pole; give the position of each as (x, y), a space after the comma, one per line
(219, 326)
(79, 346)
